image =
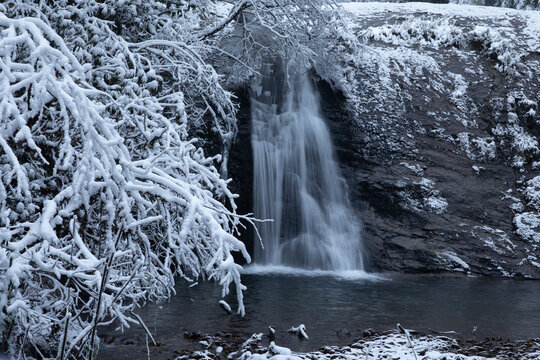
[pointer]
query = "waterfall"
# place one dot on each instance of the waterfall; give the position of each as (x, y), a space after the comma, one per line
(297, 181)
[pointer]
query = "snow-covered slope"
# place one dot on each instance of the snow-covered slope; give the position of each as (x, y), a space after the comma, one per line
(441, 153)
(515, 4)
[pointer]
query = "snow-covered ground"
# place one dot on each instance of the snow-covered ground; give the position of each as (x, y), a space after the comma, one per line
(392, 346)
(501, 16)
(387, 346)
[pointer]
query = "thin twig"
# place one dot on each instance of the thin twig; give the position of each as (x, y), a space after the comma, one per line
(102, 289)
(64, 340)
(404, 331)
(141, 322)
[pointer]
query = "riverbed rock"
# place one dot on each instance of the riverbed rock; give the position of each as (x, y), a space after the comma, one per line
(389, 345)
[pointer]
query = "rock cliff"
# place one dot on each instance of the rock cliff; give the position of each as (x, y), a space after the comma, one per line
(436, 126)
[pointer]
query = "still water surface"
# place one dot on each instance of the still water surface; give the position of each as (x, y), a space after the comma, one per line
(331, 307)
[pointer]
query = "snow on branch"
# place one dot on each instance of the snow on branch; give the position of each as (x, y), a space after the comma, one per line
(258, 32)
(103, 198)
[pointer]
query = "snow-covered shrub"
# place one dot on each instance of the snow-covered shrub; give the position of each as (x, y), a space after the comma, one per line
(444, 33)
(424, 31)
(528, 226)
(524, 144)
(532, 192)
(104, 198)
(498, 47)
(477, 148)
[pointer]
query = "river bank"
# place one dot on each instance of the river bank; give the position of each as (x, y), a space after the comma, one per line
(370, 345)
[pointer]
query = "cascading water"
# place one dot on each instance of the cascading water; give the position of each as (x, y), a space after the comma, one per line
(297, 182)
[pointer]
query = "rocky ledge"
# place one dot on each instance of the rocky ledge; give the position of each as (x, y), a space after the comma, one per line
(437, 132)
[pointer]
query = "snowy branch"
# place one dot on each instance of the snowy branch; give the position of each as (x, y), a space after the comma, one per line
(93, 221)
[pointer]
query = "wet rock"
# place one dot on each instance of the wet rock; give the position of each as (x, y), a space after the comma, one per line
(109, 339)
(131, 341)
(223, 334)
(368, 333)
(194, 335)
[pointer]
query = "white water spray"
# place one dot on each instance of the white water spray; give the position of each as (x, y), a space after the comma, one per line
(297, 182)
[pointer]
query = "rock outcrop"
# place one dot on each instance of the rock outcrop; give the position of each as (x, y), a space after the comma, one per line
(437, 133)
(441, 150)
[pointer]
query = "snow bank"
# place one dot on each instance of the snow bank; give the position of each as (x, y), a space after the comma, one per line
(390, 346)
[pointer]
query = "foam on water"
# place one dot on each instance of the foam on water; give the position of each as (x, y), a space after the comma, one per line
(294, 271)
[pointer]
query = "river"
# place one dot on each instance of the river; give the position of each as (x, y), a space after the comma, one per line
(335, 310)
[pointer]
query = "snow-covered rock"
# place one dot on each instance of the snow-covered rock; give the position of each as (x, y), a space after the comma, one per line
(390, 345)
(436, 128)
(441, 121)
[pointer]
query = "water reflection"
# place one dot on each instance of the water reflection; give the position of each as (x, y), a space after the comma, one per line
(330, 307)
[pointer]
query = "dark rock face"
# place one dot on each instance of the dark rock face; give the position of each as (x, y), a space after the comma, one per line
(241, 166)
(403, 238)
(438, 142)
(437, 179)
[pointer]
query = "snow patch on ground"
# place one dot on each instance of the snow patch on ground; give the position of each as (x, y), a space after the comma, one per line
(476, 148)
(437, 204)
(433, 201)
(420, 196)
(390, 346)
(416, 169)
(495, 239)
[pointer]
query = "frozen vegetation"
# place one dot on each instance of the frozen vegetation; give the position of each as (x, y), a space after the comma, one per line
(105, 198)
(516, 4)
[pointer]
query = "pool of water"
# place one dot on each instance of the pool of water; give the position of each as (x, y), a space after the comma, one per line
(335, 309)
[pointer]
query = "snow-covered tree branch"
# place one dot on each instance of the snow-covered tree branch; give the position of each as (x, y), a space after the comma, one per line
(274, 31)
(105, 196)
